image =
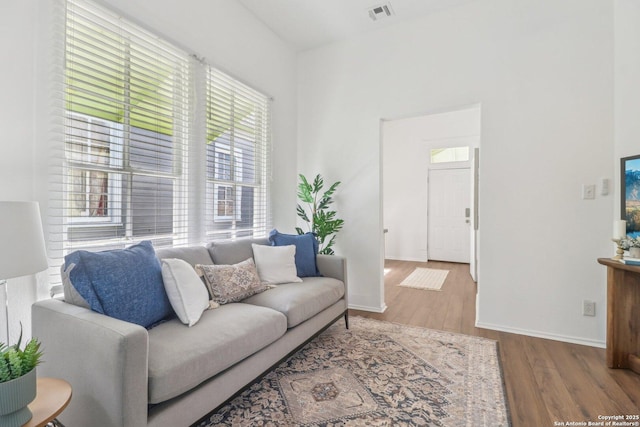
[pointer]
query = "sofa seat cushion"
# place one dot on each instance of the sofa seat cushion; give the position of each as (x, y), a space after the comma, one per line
(180, 358)
(300, 301)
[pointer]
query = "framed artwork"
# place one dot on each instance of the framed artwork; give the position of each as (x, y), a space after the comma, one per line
(630, 197)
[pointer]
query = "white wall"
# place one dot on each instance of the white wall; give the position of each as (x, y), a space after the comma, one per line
(223, 32)
(406, 145)
(17, 41)
(543, 72)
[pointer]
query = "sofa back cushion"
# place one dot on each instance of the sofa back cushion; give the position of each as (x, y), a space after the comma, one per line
(125, 283)
(229, 252)
(191, 254)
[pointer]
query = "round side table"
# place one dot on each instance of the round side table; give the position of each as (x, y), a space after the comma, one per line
(52, 396)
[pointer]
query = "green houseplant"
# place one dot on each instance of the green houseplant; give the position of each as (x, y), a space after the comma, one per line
(18, 381)
(321, 221)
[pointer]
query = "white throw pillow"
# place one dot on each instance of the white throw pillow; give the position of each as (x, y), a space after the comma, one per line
(187, 294)
(276, 264)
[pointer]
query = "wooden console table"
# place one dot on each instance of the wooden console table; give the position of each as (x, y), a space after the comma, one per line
(623, 315)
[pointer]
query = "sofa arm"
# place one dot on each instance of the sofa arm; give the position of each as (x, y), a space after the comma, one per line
(333, 266)
(104, 359)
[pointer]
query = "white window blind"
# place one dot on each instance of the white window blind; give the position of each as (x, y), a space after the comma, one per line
(122, 165)
(238, 143)
(154, 144)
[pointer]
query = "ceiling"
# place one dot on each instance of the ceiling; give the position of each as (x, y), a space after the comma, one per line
(306, 24)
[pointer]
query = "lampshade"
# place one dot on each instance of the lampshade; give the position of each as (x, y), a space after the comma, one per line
(22, 250)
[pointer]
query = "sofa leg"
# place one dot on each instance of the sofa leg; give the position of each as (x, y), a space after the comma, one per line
(346, 319)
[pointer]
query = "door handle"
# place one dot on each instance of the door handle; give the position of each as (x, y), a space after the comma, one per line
(467, 212)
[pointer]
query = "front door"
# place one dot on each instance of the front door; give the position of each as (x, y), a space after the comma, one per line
(449, 215)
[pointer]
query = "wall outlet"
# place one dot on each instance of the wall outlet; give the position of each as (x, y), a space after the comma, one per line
(588, 191)
(588, 308)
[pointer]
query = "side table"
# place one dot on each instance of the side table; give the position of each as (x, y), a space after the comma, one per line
(52, 396)
(623, 315)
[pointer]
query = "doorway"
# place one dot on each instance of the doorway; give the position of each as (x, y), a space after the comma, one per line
(414, 230)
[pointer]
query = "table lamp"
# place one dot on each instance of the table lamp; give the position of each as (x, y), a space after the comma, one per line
(22, 250)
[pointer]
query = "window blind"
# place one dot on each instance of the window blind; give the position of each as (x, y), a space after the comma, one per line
(237, 147)
(122, 165)
(154, 144)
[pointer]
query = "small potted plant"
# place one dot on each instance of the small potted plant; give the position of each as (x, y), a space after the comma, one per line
(18, 381)
(631, 244)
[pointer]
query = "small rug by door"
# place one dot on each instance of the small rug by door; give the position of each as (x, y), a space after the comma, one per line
(425, 278)
(377, 374)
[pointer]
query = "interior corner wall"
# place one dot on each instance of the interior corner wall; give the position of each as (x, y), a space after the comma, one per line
(543, 72)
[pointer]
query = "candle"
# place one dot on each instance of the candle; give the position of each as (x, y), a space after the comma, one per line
(619, 229)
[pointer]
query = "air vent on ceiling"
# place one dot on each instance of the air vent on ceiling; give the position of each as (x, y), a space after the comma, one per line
(382, 11)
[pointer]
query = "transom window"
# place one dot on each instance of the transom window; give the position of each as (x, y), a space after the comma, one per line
(450, 154)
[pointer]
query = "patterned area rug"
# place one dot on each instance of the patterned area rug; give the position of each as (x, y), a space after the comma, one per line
(425, 278)
(377, 374)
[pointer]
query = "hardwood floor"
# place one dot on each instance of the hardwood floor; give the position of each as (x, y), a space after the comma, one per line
(547, 382)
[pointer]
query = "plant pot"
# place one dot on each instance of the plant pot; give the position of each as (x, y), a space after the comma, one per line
(15, 395)
(634, 252)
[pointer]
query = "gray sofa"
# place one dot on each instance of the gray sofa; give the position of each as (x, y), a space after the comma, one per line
(172, 375)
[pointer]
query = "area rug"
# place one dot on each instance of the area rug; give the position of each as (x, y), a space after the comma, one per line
(377, 374)
(425, 278)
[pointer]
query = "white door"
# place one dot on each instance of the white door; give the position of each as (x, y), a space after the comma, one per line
(449, 213)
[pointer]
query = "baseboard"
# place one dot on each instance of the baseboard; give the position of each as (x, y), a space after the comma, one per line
(537, 334)
(367, 308)
(402, 258)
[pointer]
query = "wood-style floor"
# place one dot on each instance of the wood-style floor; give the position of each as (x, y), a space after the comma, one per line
(547, 382)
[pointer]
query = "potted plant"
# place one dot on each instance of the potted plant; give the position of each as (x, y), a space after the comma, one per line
(321, 221)
(18, 381)
(632, 244)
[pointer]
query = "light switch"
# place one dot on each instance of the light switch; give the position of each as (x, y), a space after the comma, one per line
(604, 186)
(588, 191)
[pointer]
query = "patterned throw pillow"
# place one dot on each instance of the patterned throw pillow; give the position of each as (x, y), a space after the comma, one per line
(231, 283)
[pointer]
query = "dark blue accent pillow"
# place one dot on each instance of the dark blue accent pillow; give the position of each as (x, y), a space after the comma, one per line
(306, 251)
(125, 284)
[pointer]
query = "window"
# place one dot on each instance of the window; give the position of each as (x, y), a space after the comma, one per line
(93, 147)
(453, 154)
(155, 145)
(125, 132)
(237, 148)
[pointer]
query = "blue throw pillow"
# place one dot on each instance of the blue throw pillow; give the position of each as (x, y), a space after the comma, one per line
(306, 251)
(125, 284)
